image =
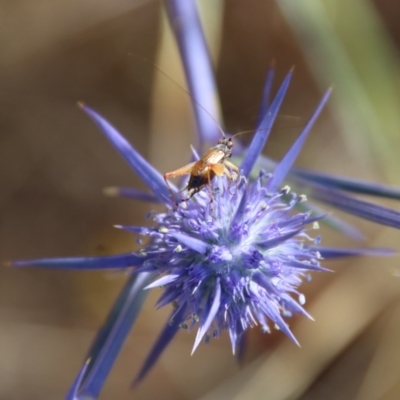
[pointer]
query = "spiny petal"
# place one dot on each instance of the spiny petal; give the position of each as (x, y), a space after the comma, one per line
(279, 239)
(331, 220)
(84, 263)
(169, 295)
(261, 136)
(316, 218)
(236, 220)
(266, 97)
(241, 346)
(140, 230)
(195, 56)
(275, 316)
(73, 391)
(233, 337)
(331, 252)
(195, 154)
(306, 266)
(167, 334)
(130, 193)
(205, 325)
(286, 163)
(111, 337)
(349, 185)
(289, 302)
(264, 282)
(149, 175)
(364, 209)
(191, 242)
(162, 281)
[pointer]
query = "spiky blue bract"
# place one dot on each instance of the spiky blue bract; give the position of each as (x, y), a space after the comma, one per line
(264, 129)
(113, 334)
(232, 262)
(361, 208)
(83, 263)
(73, 391)
(130, 193)
(193, 49)
(347, 184)
(163, 340)
(266, 97)
(282, 169)
(332, 253)
(150, 176)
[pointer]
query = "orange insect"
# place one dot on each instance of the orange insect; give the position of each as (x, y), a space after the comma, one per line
(202, 172)
(213, 162)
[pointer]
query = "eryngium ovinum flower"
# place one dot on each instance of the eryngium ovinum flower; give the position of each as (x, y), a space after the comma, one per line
(234, 261)
(230, 258)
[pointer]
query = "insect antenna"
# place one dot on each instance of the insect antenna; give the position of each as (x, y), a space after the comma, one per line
(243, 132)
(255, 130)
(159, 69)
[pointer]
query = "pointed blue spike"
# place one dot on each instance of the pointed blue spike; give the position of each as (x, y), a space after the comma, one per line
(241, 347)
(266, 97)
(331, 220)
(286, 163)
(276, 317)
(361, 208)
(205, 325)
(191, 242)
(169, 295)
(294, 306)
(236, 220)
(349, 185)
(332, 253)
(165, 280)
(111, 337)
(270, 243)
(149, 175)
(165, 337)
(140, 230)
(84, 263)
(186, 25)
(74, 389)
(305, 266)
(233, 337)
(263, 131)
(130, 193)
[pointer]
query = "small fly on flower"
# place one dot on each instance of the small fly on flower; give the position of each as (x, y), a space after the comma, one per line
(213, 162)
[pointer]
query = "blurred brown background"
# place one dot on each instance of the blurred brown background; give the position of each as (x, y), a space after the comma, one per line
(55, 163)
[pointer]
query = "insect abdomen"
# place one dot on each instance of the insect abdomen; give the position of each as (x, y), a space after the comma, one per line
(198, 181)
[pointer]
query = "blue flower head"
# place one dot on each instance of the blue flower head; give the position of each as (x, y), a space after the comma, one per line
(232, 262)
(229, 257)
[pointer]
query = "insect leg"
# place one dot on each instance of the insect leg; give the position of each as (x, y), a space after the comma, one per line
(210, 187)
(232, 166)
(186, 170)
(229, 175)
